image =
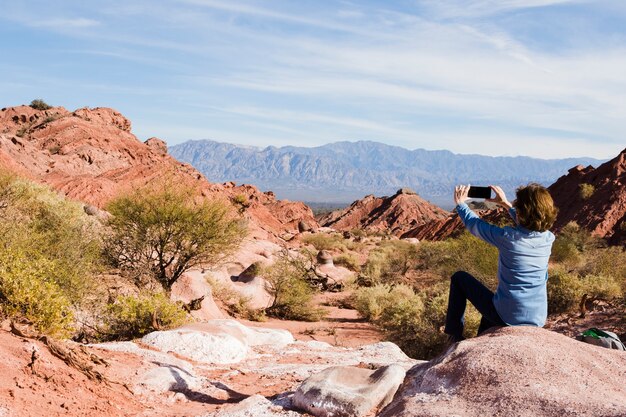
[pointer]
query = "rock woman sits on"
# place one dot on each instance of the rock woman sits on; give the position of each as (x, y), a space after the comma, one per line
(524, 250)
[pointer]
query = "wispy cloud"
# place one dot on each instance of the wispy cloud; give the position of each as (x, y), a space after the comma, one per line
(483, 8)
(79, 22)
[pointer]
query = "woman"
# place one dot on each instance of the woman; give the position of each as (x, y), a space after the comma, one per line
(524, 250)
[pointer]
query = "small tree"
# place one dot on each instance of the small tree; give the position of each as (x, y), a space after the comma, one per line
(288, 281)
(164, 231)
(39, 104)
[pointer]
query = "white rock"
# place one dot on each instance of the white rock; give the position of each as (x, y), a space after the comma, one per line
(345, 391)
(254, 406)
(220, 348)
(257, 336)
(169, 378)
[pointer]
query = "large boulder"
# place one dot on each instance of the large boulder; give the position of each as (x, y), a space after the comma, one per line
(251, 336)
(516, 371)
(347, 391)
(199, 346)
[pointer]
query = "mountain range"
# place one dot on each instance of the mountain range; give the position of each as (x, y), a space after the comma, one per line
(345, 171)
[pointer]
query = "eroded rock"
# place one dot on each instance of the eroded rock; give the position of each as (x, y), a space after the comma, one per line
(346, 391)
(521, 371)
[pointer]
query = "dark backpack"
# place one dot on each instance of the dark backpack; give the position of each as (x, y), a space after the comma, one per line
(601, 338)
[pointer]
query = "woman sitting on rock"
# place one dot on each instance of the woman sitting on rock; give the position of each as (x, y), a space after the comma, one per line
(524, 250)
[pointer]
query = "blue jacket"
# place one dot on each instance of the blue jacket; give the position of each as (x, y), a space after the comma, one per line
(521, 297)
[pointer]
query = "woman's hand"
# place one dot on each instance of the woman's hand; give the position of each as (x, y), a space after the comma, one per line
(500, 197)
(460, 194)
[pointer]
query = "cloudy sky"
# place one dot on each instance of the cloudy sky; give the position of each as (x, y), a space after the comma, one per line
(544, 78)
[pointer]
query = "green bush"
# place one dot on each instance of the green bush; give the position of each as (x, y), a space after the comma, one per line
(134, 316)
(348, 260)
(564, 291)
(609, 262)
(413, 321)
(293, 295)
(49, 251)
(464, 253)
(324, 241)
(390, 262)
(601, 287)
(586, 190)
(39, 104)
(28, 289)
(371, 302)
(573, 244)
(163, 230)
(236, 304)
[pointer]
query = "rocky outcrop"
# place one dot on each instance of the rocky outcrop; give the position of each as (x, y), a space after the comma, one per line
(595, 198)
(521, 371)
(398, 214)
(344, 391)
(452, 225)
(91, 155)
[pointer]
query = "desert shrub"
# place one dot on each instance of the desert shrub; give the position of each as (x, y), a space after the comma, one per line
(390, 262)
(49, 251)
(572, 242)
(601, 287)
(237, 304)
(293, 294)
(44, 224)
(464, 253)
(564, 291)
(39, 104)
(28, 289)
(325, 241)
(348, 260)
(586, 190)
(241, 202)
(412, 320)
(609, 262)
(162, 229)
(371, 302)
(135, 316)
(565, 251)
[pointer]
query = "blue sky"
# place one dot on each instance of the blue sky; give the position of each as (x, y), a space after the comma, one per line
(544, 78)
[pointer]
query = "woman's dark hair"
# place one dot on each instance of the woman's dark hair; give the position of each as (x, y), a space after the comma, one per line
(535, 208)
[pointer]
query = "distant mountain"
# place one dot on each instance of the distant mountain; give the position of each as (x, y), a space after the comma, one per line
(346, 171)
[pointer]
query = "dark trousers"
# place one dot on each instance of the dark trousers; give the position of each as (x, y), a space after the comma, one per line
(465, 287)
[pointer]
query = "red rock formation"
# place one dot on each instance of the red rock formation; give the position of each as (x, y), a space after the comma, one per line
(399, 213)
(604, 212)
(452, 226)
(91, 155)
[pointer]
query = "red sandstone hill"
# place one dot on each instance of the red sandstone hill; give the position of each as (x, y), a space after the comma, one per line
(452, 226)
(91, 155)
(604, 211)
(398, 214)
